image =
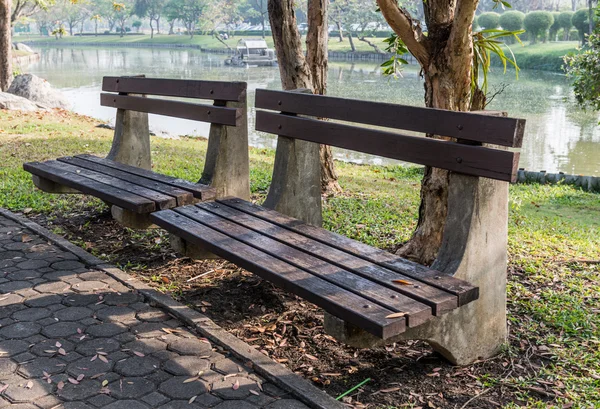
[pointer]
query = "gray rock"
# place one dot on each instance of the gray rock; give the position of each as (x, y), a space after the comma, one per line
(24, 47)
(16, 103)
(38, 90)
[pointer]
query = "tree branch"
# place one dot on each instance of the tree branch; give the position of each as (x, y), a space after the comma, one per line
(460, 40)
(406, 28)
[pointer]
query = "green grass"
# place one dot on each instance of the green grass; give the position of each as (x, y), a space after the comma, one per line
(554, 234)
(541, 56)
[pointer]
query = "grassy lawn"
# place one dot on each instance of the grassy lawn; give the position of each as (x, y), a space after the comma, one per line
(554, 242)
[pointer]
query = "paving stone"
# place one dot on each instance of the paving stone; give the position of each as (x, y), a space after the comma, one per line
(84, 390)
(127, 404)
(10, 300)
(228, 366)
(85, 366)
(122, 298)
(89, 286)
(287, 404)
(93, 346)
(37, 367)
(31, 314)
(14, 286)
(17, 246)
(179, 404)
(153, 315)
(24, 357)
(186, 346)
(71, 356)
(92, 275)
(187, 365)
(149, 330)
(235, 405)
(43, 300)
(109, 330)
(27, 390)
(211, 376)
(61, 329)
(155, 399)
(53, 287)
(76, 405)
(259, 400)
(49, 348)
(12, 347)
(101, 400)
(32, 264)
(23, 406)
(67, 265)
(27, 292)
(4, 264)
(165, 355)
(4, 322)
(73, 313)
(81, 300)
(7, 368)
(48, 402)
(159, 377)
(131, 388)
(177, 388)
(146, 346)
(273, 390)
(23, 275)
(207, 400)
(123, 315)
(139, 306)
(137, 366)
(20, 330)
(60, 275)
(44, 322)
(224, 388)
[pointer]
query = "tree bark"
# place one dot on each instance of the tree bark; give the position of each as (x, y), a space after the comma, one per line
(446, 56)
(340, 31)
(5, 45)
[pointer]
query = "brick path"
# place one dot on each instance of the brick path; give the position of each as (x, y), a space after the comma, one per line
(75, 338)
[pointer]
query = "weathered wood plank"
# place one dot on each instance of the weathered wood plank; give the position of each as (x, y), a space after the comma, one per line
(215, 90)
(183, 197)
(467, 159)
(463, 125)
(462, 289)
(53, 171)
(204, 113)
(416, 312)
(199, 191)
(161, 200)
(332, 298)
(440, 301)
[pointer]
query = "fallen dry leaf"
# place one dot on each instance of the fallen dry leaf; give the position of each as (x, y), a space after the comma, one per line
(403, 282)
(396, 315)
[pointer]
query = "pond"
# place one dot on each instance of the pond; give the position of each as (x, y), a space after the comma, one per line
(559, 136)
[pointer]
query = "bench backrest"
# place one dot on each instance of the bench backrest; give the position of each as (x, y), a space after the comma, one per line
(220, 92)
(466, 155)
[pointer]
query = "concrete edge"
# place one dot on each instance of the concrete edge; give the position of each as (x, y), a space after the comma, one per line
(263, 365)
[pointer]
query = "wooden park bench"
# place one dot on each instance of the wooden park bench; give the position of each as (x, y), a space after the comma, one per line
(371, 296)
(125, 180)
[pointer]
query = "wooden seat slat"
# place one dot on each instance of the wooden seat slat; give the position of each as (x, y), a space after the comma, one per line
(185, 110)
(215, 90)
(463, 125)
(462, 289)
(467, 159)
(183, 197)
(56, 172)
(416, 313)
(332, 298)
(199, 191)
(440, 301)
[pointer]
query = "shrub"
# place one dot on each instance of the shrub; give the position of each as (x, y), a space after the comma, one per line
(512, 20)
(580, 21)
(574, 35)
(537, 24)
(475, 25)
(555, 26)
(489, 20)
(564, 21)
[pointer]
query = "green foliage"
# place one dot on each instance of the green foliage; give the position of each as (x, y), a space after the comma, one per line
(555, 25)
(512, 20)
(489, 20)
(475, 25)
(584, 71)
(564, 22)
(580, 21)
(393, 66)
(537, 23)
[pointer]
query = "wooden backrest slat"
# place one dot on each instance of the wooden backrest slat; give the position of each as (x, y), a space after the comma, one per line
(467, 159)
(185, 110)
(215, 90)
(463, 125)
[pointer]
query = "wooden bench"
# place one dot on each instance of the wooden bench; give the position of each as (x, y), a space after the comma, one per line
(124, 179)
(371, 296)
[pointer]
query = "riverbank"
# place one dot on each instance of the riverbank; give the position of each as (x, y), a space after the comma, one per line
(552, 359)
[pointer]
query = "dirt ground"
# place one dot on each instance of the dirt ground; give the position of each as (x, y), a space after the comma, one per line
(290, 330)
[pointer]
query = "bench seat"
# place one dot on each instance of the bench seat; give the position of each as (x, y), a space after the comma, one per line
(137, 190)
(370, 288)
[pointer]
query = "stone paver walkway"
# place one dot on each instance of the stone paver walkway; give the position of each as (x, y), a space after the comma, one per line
(75, 338)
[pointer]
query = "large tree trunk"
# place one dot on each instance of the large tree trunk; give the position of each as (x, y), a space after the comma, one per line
(298, 71)
(340, 31)
(446, 55)
(5, 45)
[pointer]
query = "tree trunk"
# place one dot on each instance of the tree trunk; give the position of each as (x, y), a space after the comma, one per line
(171, 24)
(340, 31)
(158, 25)
(351, 40)
(151, 29)
(5, 45)
(372, 44)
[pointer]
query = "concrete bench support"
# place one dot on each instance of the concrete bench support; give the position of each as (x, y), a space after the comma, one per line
(131, 143)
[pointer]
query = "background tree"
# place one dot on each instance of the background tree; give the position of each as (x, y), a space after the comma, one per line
(489, 20)
(189, 12)
(553, 31)
(96, 18)
(5, 45)
(73, 13)
(564, 21)
(259, 9)
(121, 12)
(512, 21)
(581, 22)
(537, 24)
(152, 9)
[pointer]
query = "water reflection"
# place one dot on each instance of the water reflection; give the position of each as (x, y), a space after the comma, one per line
(559, 136)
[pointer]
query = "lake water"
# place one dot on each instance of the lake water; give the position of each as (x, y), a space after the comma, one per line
(559, 136)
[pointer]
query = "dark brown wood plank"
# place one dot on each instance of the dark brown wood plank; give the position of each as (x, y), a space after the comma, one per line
(196, 112)
(440, 301)
(470, 160)
(215, 90)
(416, 312)
(53, 171)
(183, 197)
(161, 200)
(462, 289)
(335, 300)
(199, 191)
(463, 125)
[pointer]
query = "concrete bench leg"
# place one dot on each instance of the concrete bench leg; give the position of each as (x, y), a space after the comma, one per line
(474, 249)
(52, 187)
(190, 250)
(131, 219)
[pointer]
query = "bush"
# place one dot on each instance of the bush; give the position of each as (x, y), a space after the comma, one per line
(564, 21)
(489, 20)
(580, 21)
(512, 20)
(584, 71)
(537, 24)
(574, 35)
(475, 25)
(555, 25)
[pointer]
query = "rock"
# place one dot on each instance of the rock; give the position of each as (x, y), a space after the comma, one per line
(16, 103)
(24, 47)
(38, 90)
